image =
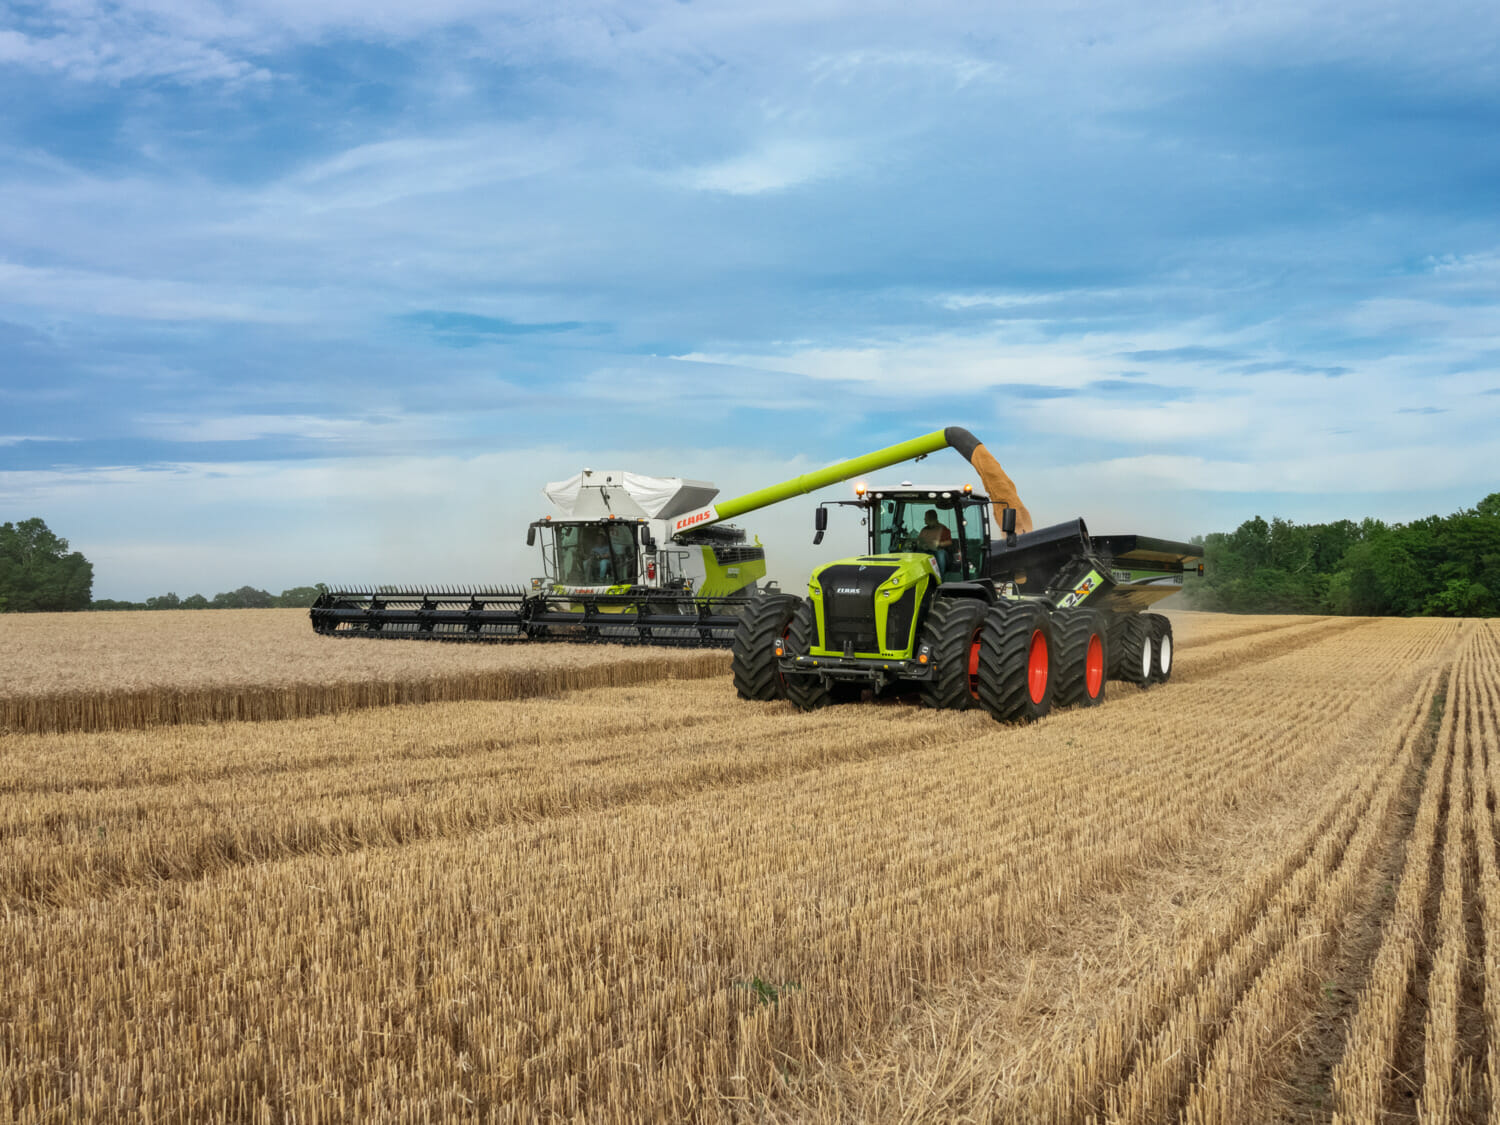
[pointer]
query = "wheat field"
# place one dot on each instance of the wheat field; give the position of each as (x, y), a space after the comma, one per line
(115, 671)
(1267, 890)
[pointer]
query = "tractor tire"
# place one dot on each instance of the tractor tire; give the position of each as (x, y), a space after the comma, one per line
(807, 691)
(1135, 655)
(1017, 658)
(952, 631)
(753, 658)
(1082, 658)
(1161, 648)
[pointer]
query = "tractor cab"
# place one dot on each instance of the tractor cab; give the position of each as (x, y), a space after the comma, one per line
(949, 524)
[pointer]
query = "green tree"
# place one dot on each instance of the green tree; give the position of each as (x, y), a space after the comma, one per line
(195, 601)
(166, 601)
(246, 597)
(300, 597)
(39, 573)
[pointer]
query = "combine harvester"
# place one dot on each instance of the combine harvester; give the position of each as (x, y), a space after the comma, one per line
(616, 566)
(936, 608)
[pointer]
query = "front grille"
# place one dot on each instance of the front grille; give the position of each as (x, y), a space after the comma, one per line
(732, 556)
(849, 606)
(898, 620)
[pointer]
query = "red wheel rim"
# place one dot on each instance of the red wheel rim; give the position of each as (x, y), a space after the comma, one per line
(1036, 667)
(1093, 668)
(974, 664)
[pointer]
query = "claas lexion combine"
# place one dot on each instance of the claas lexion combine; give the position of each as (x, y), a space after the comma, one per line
(936, 607)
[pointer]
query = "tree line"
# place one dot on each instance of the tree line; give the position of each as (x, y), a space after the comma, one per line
(39, 573)
(246, 597)
(1441, 566)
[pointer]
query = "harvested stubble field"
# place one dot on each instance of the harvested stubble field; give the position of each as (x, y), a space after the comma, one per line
(1266, 891)
(115, 671)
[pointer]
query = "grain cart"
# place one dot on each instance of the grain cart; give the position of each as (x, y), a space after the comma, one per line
(620, 563)
(936, 607)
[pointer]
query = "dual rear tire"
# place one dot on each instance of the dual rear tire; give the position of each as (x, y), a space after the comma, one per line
(1016, 662)
(1030, 660)
(1142, 650)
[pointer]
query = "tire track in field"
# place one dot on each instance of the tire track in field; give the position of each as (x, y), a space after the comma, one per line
(1216, 659)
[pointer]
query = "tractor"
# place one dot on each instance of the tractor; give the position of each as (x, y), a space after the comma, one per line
(939, 610)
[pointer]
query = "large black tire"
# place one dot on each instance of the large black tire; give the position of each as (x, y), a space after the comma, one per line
(1161, 648)
(1134, 656)
(1017, 648)
(952, 631)
(806, 690)
(1082, 657)
(753, 658)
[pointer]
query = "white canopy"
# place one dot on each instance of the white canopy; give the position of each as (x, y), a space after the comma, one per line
(593, 494)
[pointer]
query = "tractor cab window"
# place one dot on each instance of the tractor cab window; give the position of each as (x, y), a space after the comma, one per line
(596, 554)
(927, 525)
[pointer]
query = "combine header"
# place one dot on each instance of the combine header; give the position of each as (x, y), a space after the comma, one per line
(620, 564)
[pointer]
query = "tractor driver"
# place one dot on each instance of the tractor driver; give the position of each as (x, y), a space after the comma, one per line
(935, 539)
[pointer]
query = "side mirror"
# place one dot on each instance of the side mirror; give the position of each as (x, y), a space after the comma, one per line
(646, 539)
(531, 535)
(820, 520)
(1008, 521)
(817, 537)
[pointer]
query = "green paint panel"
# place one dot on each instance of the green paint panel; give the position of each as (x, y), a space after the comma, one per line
(913, 572)
(822, 478)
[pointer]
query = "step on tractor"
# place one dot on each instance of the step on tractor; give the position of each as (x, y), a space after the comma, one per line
(939, 610)
(626, 559)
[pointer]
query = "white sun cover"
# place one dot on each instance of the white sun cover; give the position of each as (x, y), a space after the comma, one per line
(594, 494)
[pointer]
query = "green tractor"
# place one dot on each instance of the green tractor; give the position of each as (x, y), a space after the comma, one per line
(939, 610)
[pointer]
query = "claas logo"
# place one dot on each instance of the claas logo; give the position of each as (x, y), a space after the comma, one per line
(697, 517)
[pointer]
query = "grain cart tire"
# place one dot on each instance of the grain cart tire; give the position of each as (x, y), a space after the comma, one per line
(1161, 648)
(1134, 654)
(753, 658)
(1082, 657)
(1017, 651)
(807, 691)
(952, 631)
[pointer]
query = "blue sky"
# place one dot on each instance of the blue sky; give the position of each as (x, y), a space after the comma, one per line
(299, 292)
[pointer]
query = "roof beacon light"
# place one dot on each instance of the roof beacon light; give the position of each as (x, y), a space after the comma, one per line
(968, 488)
(859, 488)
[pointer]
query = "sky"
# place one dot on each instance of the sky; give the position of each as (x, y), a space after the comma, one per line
(327, 291)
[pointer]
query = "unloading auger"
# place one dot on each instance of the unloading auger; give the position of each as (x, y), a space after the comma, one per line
(615, 562)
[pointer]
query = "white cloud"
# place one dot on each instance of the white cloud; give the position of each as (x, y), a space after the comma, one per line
(774, 166)
(95, 293)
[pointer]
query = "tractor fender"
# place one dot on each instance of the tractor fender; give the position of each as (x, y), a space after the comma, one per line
(983, 591)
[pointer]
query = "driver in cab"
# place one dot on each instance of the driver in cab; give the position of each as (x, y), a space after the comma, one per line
(935, 539)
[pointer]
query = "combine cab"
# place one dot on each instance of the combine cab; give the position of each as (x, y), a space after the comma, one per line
(939, 609)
